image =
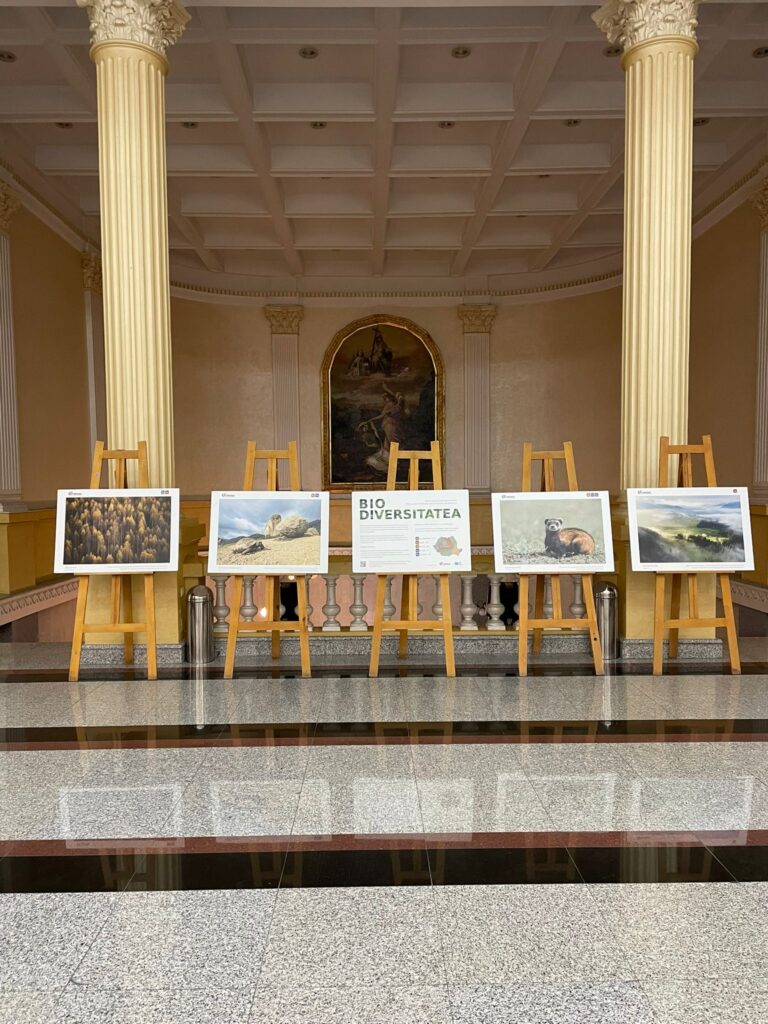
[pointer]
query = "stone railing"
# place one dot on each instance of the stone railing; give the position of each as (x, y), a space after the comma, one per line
(342, 602)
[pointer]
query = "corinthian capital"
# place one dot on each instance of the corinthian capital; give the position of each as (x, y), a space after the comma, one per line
(284, 319)
(477, 319)
(629, 22)
(760, 202)
(10, 201)
(154, 23)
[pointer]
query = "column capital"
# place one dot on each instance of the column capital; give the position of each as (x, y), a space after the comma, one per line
(760, 202)
(153, 23)
(284, 319)
(476, 319)
(10, 201)
(630, 22)
(90, 263)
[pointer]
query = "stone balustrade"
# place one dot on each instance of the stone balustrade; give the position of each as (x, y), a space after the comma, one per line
(342, 603)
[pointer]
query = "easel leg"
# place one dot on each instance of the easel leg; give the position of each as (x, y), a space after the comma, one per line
(128, 617)
(445, 598)
(273, 604)
(674, 612)
(405, 614)
(594, 636)
(149, 618)
(522, 626)
(538, 612)
(730, 625)
(378, 620)
(78, 634)
(234, 622)
(301, 590)
(659, 611)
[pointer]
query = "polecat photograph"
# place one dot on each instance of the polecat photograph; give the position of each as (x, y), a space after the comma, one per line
(118, 530)
(708, 527)
(270, 531)
(557, 531)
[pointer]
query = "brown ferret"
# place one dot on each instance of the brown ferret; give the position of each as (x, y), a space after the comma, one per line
(569, 541)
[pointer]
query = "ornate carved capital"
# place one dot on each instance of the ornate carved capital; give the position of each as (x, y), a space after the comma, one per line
(284, 319)
(629, 22)
(477, 319)
(153, 23)
(10, 201)
(91, 264)
(760, 202)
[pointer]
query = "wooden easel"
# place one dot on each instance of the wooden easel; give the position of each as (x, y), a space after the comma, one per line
(121, 582)
(674, 623)
(538, 623)
(273, 624)
(410, 592)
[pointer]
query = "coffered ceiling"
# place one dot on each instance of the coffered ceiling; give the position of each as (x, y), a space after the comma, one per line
(310, 147)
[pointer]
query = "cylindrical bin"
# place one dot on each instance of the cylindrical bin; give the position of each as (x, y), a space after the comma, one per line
(200, 646)
(607, 602)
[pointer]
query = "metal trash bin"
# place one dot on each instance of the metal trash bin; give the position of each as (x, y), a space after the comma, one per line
(607, 602)
(200, 645)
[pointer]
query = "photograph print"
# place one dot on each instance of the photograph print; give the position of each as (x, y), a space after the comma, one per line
(550, 532)
(691, 529)
(117, 531)
(268, 532)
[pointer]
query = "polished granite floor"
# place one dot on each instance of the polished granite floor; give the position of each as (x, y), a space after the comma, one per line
(556, 850)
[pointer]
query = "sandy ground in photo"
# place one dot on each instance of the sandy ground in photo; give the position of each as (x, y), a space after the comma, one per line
(299, 551)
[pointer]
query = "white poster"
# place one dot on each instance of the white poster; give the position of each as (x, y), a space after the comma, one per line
(690, 529)
(411, 532)
(277, 533)
(107, 530)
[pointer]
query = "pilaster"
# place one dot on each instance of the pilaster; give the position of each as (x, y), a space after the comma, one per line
(477, 322)
(284, 322)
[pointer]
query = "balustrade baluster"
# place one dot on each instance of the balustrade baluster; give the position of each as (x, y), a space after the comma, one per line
(468, 606)
(248, 610)
(389, 608)
(221, 608)
(358, 608)
(331, 609)
(577, 608)
(495, 608)
(437, 607)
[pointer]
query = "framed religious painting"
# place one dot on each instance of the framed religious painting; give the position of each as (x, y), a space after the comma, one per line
(382, 381)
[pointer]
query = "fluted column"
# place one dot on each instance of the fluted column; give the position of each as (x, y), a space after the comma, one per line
(10, 466)
(760, 475)
(476, 322)
(284, 322)
(659, 44)
(130, 38)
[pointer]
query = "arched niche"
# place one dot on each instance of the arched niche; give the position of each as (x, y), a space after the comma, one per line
(382, 381)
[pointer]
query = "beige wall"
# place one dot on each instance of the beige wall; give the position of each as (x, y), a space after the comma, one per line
(725, 294)
(556, 376)
(222, 390)
(560, 355)
(51, 369)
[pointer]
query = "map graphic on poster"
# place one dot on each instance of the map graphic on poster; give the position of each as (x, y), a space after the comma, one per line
(411, 532)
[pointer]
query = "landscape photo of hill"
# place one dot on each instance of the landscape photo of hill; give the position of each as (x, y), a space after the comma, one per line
(703, 528)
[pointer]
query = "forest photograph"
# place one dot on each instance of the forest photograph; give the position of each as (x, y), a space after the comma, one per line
(119, 530)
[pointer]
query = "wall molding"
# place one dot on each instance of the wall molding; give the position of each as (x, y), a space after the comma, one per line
(19, 606)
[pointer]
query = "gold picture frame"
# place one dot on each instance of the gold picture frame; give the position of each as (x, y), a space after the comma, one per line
(340, 407)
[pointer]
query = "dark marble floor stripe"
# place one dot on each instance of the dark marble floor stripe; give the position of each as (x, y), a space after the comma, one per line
(450, 841)
(99, 737)
(360, 670)
(416, 864)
